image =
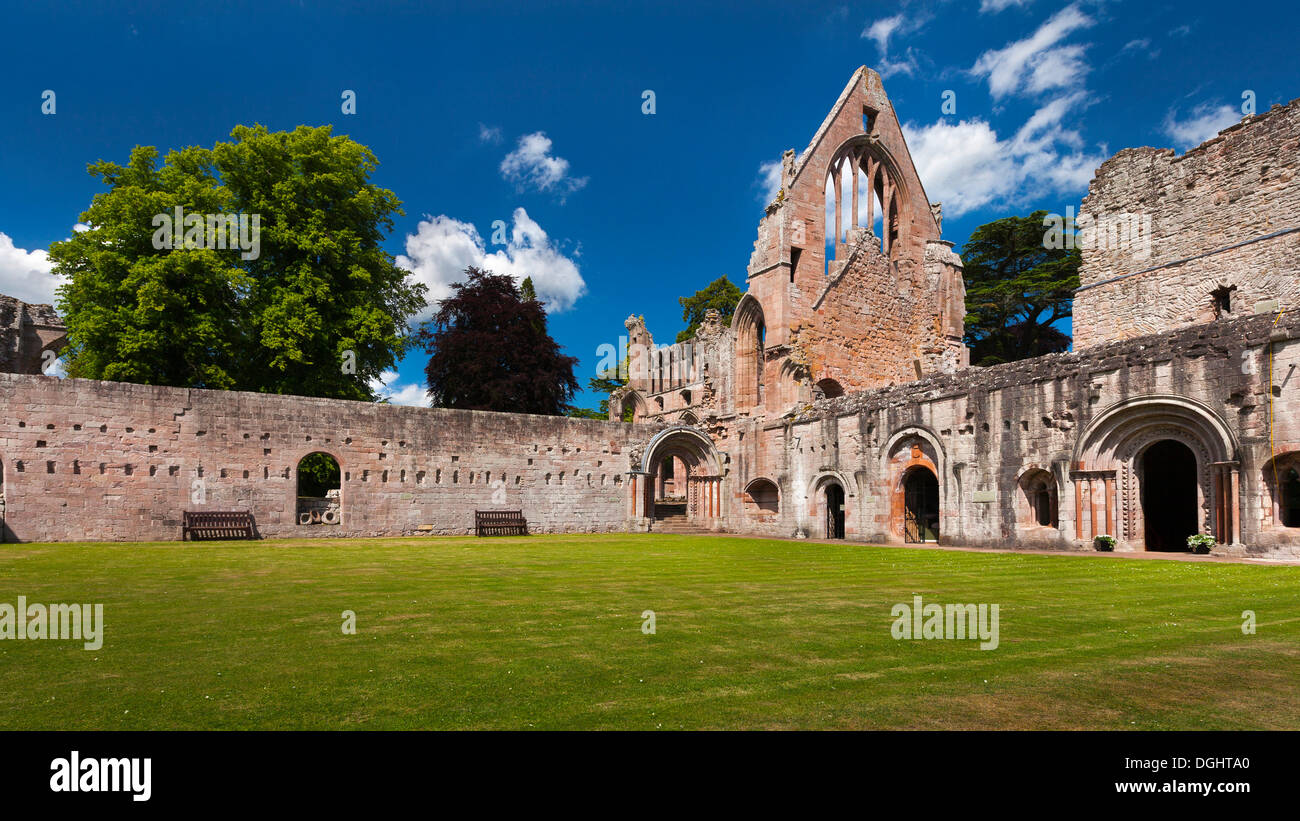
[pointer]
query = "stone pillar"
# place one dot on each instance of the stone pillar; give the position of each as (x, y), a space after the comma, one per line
(1234, 504)
(642, 494)
(1078, 507)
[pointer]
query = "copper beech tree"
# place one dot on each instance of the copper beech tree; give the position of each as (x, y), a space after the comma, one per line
(489, 349)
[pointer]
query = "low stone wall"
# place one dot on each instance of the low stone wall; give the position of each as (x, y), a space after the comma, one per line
(90, 460)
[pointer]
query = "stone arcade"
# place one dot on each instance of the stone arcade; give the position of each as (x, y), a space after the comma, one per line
(839, 404)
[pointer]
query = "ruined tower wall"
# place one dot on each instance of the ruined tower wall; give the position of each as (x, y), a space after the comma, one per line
(1243, 186)
(89, 460)
(27, 332)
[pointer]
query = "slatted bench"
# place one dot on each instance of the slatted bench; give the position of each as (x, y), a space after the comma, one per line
(207, 525)
(500, 523)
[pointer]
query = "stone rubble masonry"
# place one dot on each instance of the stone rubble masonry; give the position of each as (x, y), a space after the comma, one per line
(91, 460)
(985, 428)
(1242, 186)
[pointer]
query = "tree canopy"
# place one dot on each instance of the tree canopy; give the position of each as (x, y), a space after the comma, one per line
(313, 306)
(721, 294)
(489, 349)
(1016, 290)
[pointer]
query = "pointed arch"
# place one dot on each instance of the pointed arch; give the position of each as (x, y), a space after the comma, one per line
(750, 334)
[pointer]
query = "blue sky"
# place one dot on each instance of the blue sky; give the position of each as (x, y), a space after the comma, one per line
(531, 114)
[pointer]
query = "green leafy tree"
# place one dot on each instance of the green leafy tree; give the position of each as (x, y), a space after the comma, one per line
(1016, 290)
(721, 294)
(489, 349)
(603, 385)
(318, 308)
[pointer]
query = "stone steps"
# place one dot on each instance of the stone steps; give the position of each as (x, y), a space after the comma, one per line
(677, 523)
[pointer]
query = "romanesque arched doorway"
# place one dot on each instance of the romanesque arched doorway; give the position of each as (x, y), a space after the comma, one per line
(1152, 470)
(920, 506)
(679, 480)
(834, 510)
(1167, 488)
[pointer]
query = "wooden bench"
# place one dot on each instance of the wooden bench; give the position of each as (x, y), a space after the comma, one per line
(500, 523)
(206, 525)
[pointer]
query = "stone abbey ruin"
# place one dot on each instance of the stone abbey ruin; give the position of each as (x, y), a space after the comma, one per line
(839, 403)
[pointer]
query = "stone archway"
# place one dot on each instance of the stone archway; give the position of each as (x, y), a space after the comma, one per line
(1109, 470)
(696, 484)
(910, 455)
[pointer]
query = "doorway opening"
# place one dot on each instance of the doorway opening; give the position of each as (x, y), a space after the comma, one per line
(834, 511)
(920, 506)
(1169, 495)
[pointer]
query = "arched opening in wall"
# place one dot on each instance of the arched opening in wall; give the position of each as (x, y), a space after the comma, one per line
(762, 501)
(1168, 493)
(1289, 513)
(695, 492)
(1158, 494)
(860, 192)
(751, 335)
(689, 418)
(920, 506)
(829, 389)
(834, 510)
(1281, 476)
(629, 406)
(319, 494)
(1038, 500)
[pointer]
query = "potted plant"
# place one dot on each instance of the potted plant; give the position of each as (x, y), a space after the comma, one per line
(1200, 543)
(1103, 543)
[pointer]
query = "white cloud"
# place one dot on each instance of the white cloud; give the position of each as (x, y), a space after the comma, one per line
(1037, 63)
(769, 181)
(26, 275)
(966, 166)
(531, 165)
(1204, 122)
(387, 387)
(442, 248)
(882, 30)
(995, 6)
(489, 134)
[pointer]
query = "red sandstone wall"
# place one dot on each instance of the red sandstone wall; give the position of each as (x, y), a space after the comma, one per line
(88, 460)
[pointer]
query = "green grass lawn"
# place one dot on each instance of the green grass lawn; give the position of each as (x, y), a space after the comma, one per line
(545, 632)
